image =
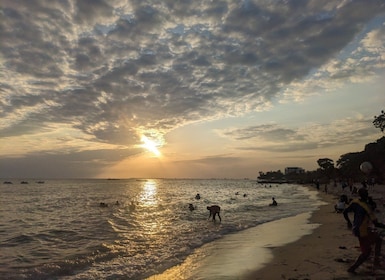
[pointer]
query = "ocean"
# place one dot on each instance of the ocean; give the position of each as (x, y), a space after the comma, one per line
(59, 229)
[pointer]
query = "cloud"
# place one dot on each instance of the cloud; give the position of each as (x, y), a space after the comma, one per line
(311, 136)
(113, 70)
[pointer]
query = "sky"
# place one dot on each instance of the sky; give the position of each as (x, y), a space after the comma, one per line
(188, 88)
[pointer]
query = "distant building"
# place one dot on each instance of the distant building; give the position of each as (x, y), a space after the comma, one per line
(295, 170)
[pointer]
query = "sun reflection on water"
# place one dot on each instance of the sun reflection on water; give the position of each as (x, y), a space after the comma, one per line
(149, 201)
(148, 196)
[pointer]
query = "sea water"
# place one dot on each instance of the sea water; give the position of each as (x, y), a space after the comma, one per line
(58, 229)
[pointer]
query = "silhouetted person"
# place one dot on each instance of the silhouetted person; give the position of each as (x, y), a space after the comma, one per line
(191, 207)
(214, 210)
(317, 184)
(363, 215)
(274, 203)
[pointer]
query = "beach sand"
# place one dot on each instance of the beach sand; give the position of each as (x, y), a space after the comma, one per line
(308, 246)
(328, 252)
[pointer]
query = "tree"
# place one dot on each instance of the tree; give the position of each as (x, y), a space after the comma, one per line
(327, 166)
(271, 175)
(349, 165)
(379, 121)
(325, 163)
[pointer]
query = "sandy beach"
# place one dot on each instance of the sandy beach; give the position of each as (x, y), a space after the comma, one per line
(239, 255)
(308, 246)
(326, 253)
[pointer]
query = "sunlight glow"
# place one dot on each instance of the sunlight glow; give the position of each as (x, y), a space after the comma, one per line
(150, 145)
(148, 196)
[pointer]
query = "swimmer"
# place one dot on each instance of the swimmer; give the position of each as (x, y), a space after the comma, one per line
(191, 207)
(198, 196)
(274, 203)
(214, 210)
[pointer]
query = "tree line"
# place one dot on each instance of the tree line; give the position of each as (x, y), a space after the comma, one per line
(347, 167)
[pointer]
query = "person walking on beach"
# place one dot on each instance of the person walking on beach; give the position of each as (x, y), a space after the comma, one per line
(214, 210)
(363, 215)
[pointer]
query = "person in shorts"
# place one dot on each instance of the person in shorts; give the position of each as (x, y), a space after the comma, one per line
(363, 217)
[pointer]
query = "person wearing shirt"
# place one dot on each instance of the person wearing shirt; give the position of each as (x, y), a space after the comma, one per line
(363, 218)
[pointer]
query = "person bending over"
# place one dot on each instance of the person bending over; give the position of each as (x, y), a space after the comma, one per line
(214, 210)
(363, 215)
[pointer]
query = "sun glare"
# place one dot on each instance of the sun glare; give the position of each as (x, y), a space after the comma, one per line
(150, 146)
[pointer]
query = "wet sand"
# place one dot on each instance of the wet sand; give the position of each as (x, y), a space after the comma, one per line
(237, 255)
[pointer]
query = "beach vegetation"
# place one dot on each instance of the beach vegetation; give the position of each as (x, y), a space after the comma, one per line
(346, 167)
(349, 164)
(327, 166)
(379, 121)
(271, 176)
(327, 169)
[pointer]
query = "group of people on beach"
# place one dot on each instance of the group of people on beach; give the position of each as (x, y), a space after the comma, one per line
(214, 210)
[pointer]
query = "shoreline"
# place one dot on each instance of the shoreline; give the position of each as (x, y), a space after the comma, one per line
(237, 255)
(313, 256)
(315, 245)
(327, 252)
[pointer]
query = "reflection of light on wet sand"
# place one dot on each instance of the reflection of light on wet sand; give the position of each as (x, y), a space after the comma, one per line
(236, 255)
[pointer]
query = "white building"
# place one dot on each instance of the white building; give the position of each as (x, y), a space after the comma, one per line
(296, 170)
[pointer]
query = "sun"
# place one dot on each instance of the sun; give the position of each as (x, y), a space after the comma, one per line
(150, 146)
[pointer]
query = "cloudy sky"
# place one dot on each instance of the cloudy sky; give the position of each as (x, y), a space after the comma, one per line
(186, 88)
